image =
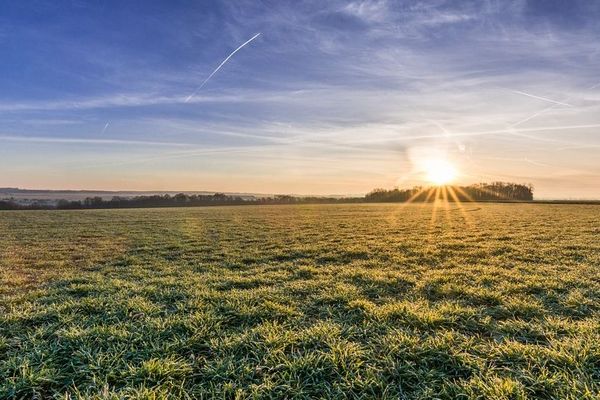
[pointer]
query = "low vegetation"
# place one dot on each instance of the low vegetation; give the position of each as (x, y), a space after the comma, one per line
(497, 191)
(305, 301)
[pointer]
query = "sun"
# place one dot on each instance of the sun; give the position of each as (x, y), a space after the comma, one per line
(440, 172)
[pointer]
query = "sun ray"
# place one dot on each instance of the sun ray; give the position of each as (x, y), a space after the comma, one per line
(493, 193)
(429, 194)
(435, 206)
(459, 205)
(465, 194)
(431, 237)
(446, 204)
(394, 214)
(414, 196)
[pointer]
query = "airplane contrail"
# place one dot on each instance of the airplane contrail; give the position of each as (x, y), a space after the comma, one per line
(105, 127)
(220, 65)
(532, 116)
(542, 98)
(547, 109)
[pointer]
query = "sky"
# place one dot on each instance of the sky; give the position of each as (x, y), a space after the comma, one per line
(336, 97)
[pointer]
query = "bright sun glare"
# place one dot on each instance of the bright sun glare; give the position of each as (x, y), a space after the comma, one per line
(440, 172)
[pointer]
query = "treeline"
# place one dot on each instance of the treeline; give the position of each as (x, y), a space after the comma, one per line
(496, 191)
(12, 205)
(178, 200)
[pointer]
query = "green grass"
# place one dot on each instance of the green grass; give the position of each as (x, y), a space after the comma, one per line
(333, 301)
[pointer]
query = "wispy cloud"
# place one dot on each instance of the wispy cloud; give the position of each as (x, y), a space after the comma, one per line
(63, 140)
(370, 10)
(125, 100)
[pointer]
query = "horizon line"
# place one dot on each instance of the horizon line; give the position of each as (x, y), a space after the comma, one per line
(247, 193)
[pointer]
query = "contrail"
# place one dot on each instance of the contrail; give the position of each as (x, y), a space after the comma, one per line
(547, 109)
(220, 65)
(532, 116)
(105, 127)
(542, 98)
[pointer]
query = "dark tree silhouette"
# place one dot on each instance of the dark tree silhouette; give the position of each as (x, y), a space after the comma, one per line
(496, 191)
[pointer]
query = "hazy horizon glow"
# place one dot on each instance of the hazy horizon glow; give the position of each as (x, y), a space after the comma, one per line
(333, 97)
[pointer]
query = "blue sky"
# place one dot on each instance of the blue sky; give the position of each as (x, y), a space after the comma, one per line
(332, 97)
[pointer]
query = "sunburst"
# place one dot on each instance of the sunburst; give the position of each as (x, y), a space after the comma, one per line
(440, 172)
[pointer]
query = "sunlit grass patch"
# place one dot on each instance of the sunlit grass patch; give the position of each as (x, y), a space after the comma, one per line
(357, 301)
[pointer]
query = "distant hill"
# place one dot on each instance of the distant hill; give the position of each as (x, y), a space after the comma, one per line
(43, 194)
(51, 197)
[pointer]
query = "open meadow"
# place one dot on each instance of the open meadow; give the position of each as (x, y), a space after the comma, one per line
(388, 301)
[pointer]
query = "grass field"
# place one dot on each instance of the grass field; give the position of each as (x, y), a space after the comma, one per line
(333, 301)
